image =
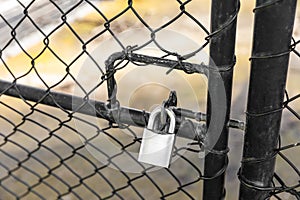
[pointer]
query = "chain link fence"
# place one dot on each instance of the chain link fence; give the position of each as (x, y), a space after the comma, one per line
(44, 155)
(49, 134)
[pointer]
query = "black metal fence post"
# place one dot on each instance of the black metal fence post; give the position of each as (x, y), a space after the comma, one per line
(269, 65)
(222, 47)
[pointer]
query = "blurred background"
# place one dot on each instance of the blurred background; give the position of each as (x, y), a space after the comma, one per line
(86, 23)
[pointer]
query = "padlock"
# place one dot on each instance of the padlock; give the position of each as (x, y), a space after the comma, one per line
(156, 147)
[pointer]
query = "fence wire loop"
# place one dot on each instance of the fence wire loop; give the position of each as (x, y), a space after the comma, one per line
(266, 5)
(226, 25)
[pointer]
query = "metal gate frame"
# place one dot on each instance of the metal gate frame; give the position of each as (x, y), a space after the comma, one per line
(222, 53)
(269, 66)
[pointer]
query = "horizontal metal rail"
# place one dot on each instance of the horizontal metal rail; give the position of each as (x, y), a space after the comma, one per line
(128, 116)
(99, 109)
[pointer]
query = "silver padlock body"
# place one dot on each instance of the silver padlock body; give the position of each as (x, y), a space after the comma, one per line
(156, 149)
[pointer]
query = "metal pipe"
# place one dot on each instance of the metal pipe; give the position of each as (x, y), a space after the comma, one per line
(99, 109)
(273, 27)
(222, 47)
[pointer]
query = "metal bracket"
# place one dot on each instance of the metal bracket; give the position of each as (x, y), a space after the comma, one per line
(162, 62)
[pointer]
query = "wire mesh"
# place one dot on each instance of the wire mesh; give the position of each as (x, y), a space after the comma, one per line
(42, 154)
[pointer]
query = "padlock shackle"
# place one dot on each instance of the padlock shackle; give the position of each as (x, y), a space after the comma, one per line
(157, 111)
